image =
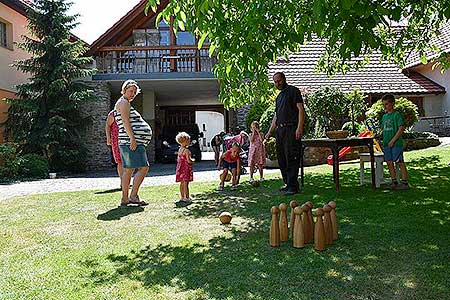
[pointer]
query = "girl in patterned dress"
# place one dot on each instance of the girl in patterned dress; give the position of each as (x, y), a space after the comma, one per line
(257, 151)
(112, 139)
(184, 171)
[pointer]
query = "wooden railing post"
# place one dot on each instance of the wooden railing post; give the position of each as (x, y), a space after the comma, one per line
(127, 59)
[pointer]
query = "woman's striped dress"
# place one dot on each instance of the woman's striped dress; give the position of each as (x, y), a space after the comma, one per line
(142, 131)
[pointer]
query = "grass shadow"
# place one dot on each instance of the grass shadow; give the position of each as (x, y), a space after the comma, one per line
(119, 212)
(110, 191)
(390, 244)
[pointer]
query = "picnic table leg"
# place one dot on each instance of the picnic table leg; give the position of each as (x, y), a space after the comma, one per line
(335, 152)
(372, 163)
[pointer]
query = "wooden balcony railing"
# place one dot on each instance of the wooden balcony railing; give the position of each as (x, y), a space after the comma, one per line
(154, 59)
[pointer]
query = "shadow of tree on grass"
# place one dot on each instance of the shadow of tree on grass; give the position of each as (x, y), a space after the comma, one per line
(390, 245)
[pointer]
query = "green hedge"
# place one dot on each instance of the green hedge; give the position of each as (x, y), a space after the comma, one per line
(256, 111)
(271, 148)
(266, 119)
(33, 166)
(407, 109)
(9, 166)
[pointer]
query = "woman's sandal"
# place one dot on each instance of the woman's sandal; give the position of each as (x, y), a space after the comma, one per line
(136, 200)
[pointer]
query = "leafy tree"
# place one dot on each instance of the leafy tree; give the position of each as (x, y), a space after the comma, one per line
(356, 108)
(259, 107)
(45, 118)
(327, 105)
(248, 35)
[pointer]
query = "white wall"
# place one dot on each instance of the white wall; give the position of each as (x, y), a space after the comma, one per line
(213, 122)
(444, 80)
(435, 105)
(148, 105)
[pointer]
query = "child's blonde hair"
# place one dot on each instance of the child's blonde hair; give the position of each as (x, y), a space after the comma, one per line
(129, 83)
(256, 124)
(182, 137)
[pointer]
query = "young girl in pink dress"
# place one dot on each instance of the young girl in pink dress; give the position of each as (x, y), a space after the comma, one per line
(184, 171)
(257, 151)
(112, 139)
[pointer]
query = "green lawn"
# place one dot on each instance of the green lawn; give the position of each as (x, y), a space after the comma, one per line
(393, 244)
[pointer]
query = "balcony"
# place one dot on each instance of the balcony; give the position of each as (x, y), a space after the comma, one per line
(154, 60)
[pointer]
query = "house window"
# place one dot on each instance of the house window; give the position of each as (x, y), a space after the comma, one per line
(185, 38)
(418, 101)
(3, 40)
(164, 38)
(164, 33)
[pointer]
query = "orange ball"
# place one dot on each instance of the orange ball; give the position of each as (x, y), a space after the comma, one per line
(225, 217)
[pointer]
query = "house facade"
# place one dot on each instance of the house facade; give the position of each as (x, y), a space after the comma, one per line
(425, 87)
(178, 86)
(437, 116)
(13, 22)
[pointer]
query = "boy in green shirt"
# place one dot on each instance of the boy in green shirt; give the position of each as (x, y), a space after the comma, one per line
(392, 126)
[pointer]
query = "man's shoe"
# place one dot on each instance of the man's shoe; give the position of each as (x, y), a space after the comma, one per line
(284, 189)
(402, 186)
(290, 192)
(392, 186)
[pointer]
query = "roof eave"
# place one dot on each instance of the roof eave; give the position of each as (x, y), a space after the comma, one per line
(121, 24)
(16, 5)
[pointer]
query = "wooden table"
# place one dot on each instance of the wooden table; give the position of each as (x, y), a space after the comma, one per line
(336, 145)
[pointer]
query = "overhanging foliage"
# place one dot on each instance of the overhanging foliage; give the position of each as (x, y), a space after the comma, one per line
(248, 35)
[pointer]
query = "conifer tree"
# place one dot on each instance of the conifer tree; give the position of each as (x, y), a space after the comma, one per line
(45, 118)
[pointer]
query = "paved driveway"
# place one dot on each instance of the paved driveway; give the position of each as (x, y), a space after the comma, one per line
(159, 174)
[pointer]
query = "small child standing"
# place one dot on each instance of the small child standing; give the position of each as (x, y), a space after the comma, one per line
(392, 126)
(112, 139)
(230, 161)
(184, 171)
(257, 152)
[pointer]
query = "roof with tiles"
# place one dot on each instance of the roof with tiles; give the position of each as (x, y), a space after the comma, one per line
(376, 77)
(442, 41)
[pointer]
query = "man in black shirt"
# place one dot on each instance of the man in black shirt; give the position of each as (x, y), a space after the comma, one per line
(289, 120)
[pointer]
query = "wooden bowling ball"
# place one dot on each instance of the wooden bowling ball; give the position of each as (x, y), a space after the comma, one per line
(256, 183)
(225, 217)
(227, 178)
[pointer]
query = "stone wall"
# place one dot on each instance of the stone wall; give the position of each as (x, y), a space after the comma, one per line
(318, 155)
(98, 154)
(421, 143)
(241, 116)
